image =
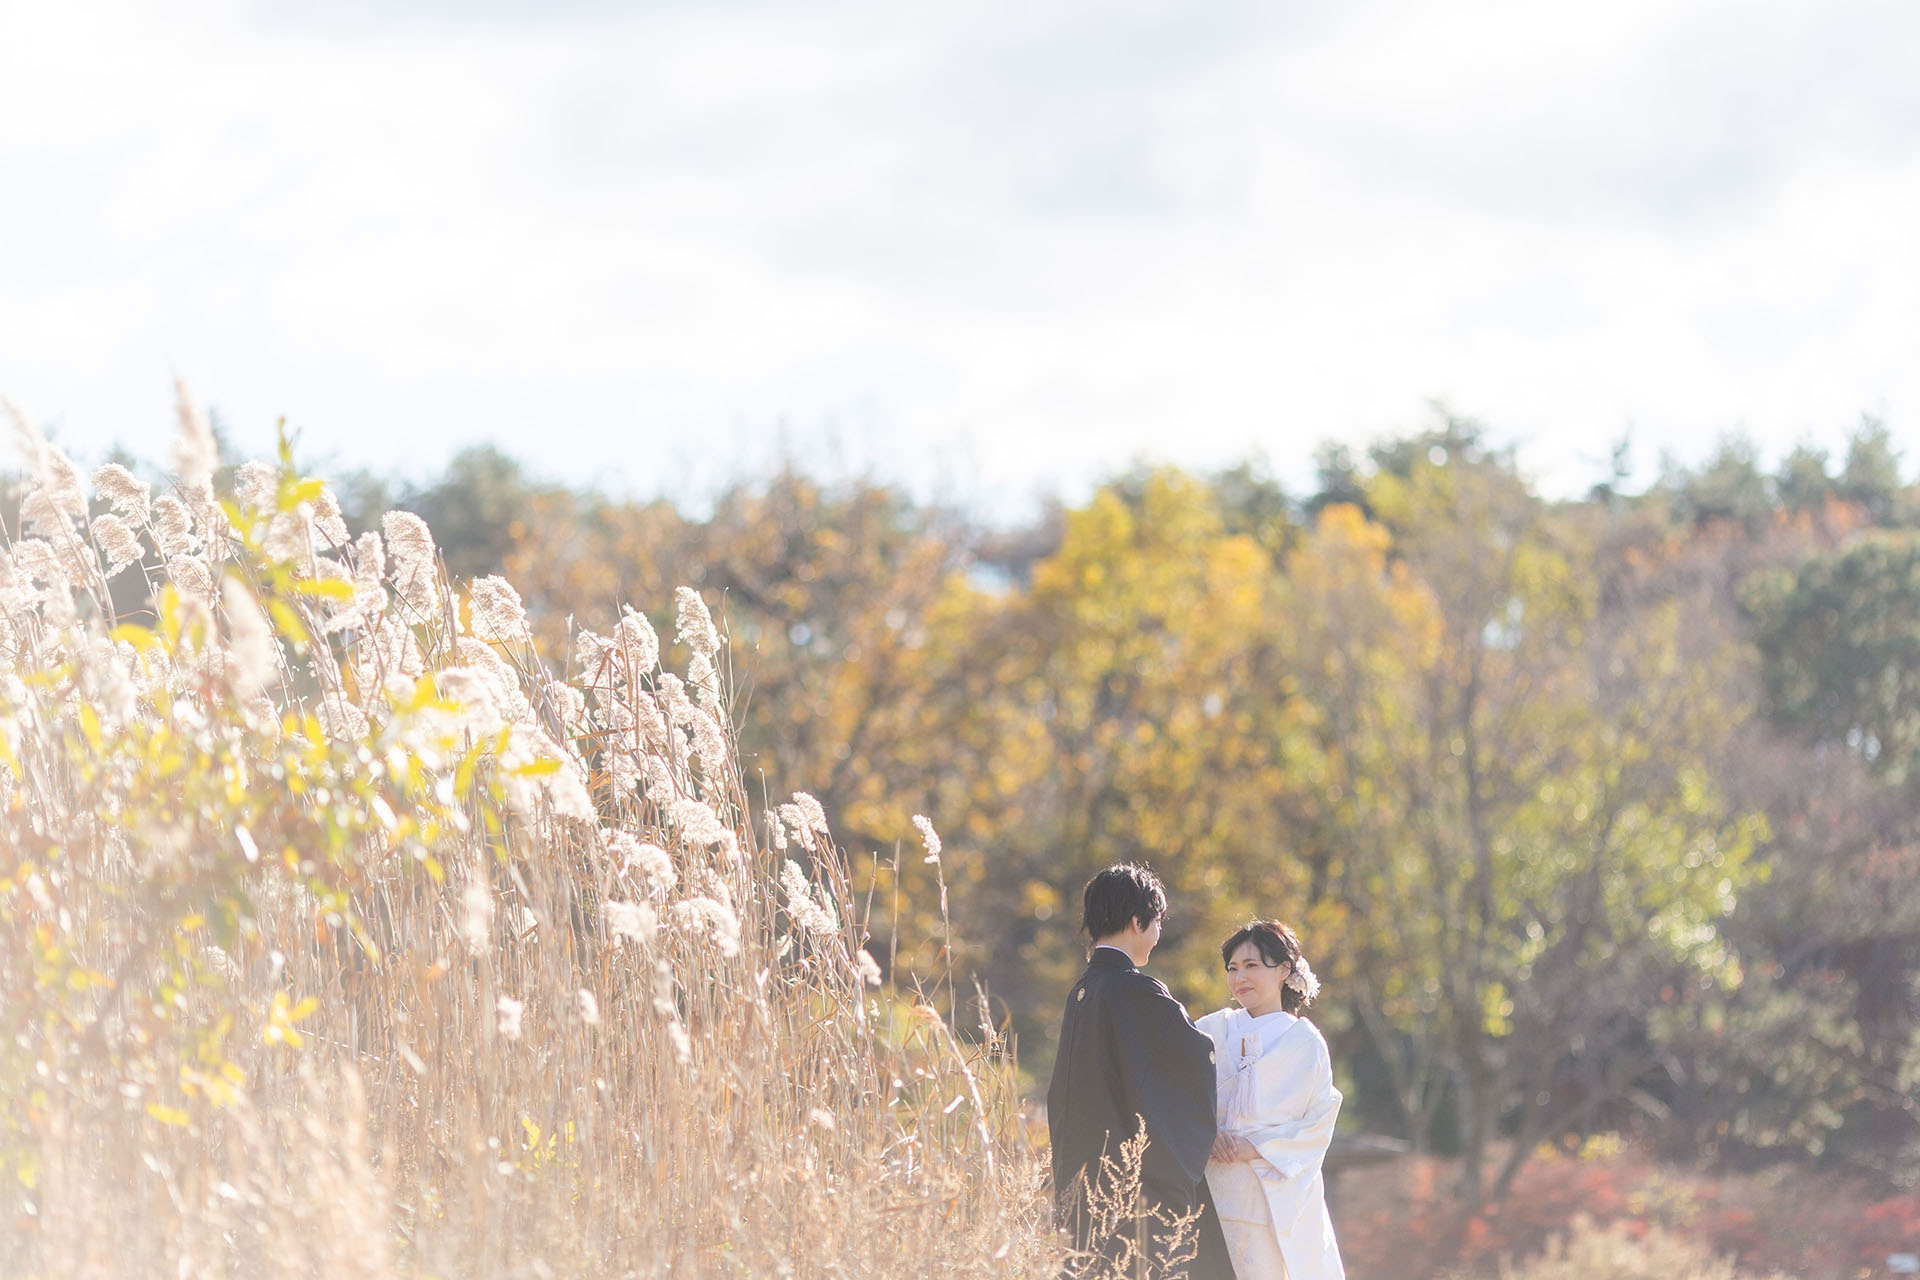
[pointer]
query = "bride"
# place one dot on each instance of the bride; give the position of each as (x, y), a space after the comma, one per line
(1277, 1106)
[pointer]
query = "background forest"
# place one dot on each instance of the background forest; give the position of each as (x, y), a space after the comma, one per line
(1597, 816)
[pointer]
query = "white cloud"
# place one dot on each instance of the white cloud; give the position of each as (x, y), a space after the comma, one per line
(1039, 240)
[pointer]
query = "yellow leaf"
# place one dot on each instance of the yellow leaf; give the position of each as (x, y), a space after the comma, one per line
(134, 634)
(538, 768)
(169, 1115)
(324, 589)
(288, 621)
(85, 979)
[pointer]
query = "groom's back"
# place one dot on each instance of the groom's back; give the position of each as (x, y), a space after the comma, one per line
(1127, 1051)
(1084, 1111)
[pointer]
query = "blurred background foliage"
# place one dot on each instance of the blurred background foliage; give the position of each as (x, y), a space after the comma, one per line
(1596, 815)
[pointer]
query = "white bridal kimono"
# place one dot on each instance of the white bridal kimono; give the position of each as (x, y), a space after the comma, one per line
(1276, 1091)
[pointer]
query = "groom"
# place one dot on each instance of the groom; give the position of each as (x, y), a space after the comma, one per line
(1129, 1057)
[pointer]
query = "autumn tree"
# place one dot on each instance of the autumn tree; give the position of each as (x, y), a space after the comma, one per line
(1131, 704)
(1542, 845)
(1839, 641)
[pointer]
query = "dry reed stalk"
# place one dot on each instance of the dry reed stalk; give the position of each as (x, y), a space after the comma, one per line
(341, 934)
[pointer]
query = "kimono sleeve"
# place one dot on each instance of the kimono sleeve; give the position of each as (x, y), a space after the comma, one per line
(1169, 1069)
(1214, 1025)
(1297, 1145)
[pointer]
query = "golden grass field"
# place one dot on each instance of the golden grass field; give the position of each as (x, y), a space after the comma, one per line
(345, 933)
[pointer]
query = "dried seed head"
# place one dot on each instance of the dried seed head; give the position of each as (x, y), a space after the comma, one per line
(117, 543)
(410, 543)
(649, 861)
(497, 611)
(34, 562)
(589, 651)
(196, 455)
(42, 513)
(328, 520)
(49, 466)
(816, 816)
(710, 745)
(928, 836)
(705, 683)
(476, 914)
(692, 624)
(657, 775)
(705, 917)
(673, 699)
(566, 786)
(253, 658)
(796, 824)
(638, 643)
(682, 1046)
(257, 485)
(507, 695)
(631, 921)
(172, 526)
(191, 577)
(472, 691)
(571, 706)
(701, 828)
(508, 1013)
(813, 917)
(341, 720)
(130, 497)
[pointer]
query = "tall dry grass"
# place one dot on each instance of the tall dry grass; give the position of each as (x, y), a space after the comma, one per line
(343, 932)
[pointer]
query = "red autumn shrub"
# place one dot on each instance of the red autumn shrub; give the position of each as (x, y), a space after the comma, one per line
(1401, 1221)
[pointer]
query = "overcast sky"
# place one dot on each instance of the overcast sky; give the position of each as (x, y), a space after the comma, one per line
(993, 249)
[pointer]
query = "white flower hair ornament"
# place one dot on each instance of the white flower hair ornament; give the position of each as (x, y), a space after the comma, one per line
(1303, 980)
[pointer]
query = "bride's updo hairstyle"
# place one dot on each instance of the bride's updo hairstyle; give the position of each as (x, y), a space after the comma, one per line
(1280, 948)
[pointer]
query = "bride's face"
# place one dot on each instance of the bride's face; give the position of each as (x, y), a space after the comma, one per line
(1253, 982)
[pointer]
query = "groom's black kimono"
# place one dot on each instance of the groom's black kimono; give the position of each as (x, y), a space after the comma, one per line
(1128, 1052)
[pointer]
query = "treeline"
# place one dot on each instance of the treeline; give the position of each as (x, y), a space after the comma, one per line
(1595, 815)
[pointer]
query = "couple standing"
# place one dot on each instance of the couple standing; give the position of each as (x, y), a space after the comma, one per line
(1237, 1109)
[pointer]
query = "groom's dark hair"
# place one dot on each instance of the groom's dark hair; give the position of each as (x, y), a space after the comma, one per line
(1123, 894)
